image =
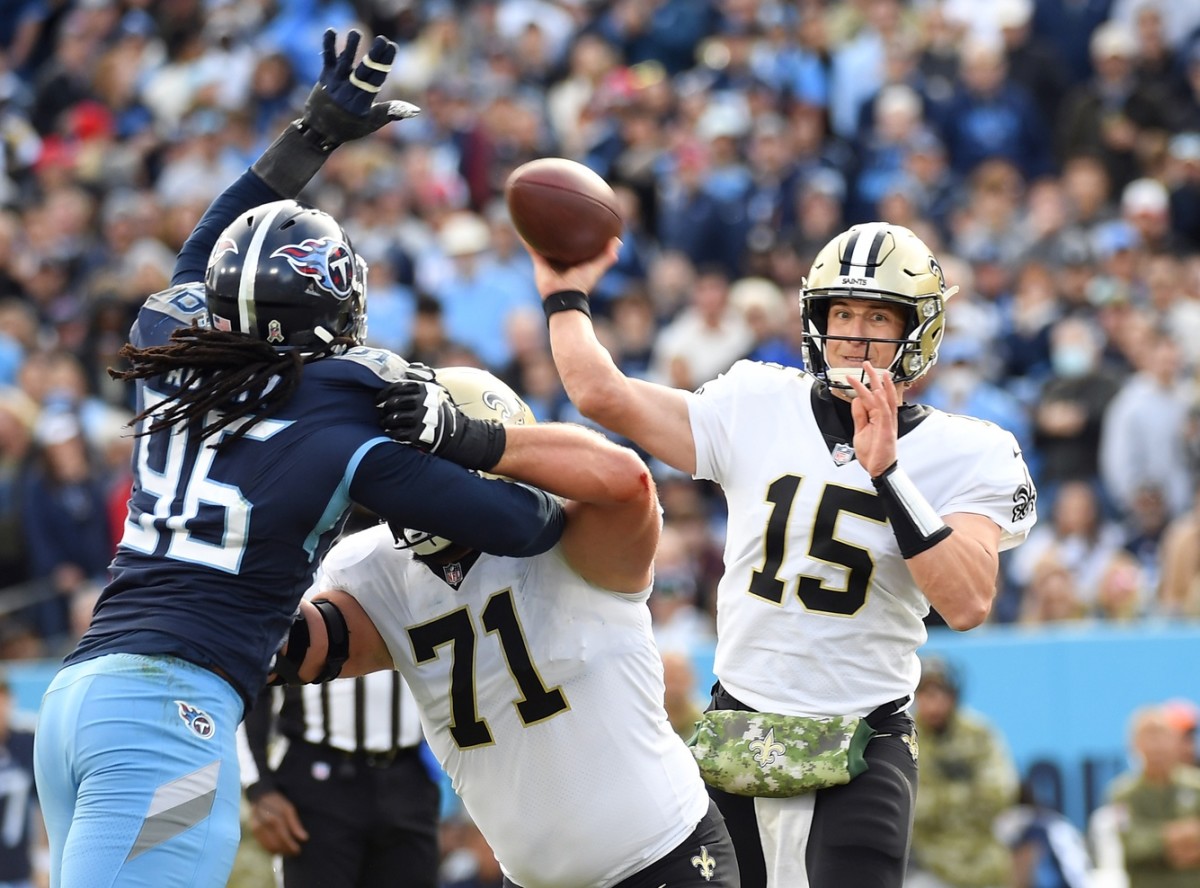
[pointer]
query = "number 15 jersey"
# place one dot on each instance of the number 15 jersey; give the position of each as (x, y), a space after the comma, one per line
(817, 612)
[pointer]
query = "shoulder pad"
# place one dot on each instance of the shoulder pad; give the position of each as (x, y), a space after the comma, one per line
(388, 366)
(184, 303)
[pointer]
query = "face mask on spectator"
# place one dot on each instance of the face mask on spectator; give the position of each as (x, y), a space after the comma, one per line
(1073, 361)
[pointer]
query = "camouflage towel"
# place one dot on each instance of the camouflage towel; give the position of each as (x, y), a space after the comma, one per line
(777, 756)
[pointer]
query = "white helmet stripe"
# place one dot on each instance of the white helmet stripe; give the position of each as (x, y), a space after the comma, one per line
(247, 311)
(867, 246)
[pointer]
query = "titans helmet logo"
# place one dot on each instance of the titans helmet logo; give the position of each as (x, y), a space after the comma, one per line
(327, 261)
(198, 721)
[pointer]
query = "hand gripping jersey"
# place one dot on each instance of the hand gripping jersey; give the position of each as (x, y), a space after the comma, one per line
(817, 613)
(541, 695)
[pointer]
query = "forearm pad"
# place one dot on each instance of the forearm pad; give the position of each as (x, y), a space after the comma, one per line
(292, 160)
(287, 662)
(914, 522)
(476, 444)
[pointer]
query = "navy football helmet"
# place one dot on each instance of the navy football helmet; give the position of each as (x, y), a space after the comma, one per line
(286, 274)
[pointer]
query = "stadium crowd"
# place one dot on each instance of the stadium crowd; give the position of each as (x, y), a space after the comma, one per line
(1049, 152)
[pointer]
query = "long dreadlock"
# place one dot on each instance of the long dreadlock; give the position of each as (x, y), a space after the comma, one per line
(230, 374)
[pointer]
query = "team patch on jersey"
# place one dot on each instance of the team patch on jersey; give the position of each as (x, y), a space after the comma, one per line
(274, 331)
(198, 721)
(328, 262)
(1024, 498)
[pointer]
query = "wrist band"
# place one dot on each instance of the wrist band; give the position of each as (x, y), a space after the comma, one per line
(566, 300)
(914, 522)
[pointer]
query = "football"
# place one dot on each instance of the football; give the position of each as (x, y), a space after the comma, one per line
(565, 211)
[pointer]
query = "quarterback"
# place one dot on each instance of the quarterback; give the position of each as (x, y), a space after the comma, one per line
(850, 514)
(538, 681)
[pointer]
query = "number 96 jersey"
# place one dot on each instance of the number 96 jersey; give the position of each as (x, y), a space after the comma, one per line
(817, 612)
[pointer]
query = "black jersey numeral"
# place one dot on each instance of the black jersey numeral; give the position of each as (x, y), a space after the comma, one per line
(457, 629)
(824, 545)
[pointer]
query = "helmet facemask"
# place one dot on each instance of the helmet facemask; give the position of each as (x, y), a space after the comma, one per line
(884, 263)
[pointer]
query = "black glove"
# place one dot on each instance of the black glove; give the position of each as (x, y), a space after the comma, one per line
(419, 411)
(340, 108)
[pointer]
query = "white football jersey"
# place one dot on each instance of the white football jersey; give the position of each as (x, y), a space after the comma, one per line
(817, 613)
(542, 696)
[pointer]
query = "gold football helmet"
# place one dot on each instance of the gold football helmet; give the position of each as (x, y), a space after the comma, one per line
(479, 395)
(876, 260)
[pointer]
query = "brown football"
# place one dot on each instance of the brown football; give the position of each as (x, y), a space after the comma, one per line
(564, 210)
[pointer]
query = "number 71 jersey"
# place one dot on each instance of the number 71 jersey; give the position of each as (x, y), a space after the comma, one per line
(817, 612)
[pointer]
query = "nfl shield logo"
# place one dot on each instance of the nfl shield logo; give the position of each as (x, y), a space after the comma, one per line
(453, 573)
(842, 454)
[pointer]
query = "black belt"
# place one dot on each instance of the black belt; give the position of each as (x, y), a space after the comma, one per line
(368, 757)
(722, 699)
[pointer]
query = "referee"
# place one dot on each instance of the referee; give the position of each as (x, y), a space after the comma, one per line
(352, 800)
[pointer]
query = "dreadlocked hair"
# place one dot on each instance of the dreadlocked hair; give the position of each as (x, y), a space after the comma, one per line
(229, 374)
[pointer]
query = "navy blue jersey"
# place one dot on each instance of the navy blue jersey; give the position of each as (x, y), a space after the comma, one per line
(220, 544)
(17, 795)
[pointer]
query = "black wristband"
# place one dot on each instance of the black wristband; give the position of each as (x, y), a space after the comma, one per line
(566, 300)
(915, 524)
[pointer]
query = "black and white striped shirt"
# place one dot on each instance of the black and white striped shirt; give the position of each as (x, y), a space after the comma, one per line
(375, 714)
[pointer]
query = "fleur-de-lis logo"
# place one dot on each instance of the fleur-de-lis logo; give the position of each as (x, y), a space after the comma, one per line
(705, 864)
(767, 749)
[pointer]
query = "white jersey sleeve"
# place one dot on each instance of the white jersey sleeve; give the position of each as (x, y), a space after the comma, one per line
(542, 696)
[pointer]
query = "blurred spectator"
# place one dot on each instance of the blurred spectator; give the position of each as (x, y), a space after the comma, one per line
(467, 861)
(1070, 407)
(957, 385)
(991, 115)
(967, 778)
(1051, 595)
(18, 414)
(1158, 806)
(1031, 60)
(64, 509)
(1049, 851)
(1113, 114)
(1157, 397)
(680, 696)
(23, 832)
(1179, 586)
(705, 338)
(678, 623)
(1077, 539)
(1184, 715)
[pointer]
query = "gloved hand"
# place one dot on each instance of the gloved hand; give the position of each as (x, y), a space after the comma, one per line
(341, 106)
(417, 410)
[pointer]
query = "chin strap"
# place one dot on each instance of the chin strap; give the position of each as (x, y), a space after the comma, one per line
(287, 661)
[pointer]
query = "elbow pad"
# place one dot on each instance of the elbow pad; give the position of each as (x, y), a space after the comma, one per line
(288, 659)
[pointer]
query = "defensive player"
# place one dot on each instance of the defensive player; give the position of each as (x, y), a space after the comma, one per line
(538, 680)
(258, 427)
(850, 513)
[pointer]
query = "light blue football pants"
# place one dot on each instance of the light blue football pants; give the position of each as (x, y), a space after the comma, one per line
(137, 775)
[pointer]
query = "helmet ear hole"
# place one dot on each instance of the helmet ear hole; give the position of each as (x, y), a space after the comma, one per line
(287, 274)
